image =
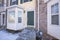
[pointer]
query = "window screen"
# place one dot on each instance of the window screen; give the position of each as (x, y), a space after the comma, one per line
(55, 19)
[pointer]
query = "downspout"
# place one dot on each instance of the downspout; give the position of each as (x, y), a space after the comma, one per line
(38, 15)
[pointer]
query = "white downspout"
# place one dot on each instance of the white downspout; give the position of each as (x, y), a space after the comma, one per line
(38, 15)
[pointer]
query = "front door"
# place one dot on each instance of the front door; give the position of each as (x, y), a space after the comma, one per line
(30, 18)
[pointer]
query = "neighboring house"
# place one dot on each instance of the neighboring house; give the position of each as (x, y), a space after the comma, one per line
(31, 17)
(53, 18)
(27, 15)
(2, 13)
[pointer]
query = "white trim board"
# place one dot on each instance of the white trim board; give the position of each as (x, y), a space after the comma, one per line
(31, 9)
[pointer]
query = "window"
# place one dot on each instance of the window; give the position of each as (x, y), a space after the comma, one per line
(55, 19)
(19, 19)
(23, 1)
(19, 13)
(54, 14)
(54, 8)
(19, 16)
(11, 17)
(1, 3)
(7, 2)
(13, 2)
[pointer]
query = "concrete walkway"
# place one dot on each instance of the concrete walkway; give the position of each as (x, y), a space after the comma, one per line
(4, 35)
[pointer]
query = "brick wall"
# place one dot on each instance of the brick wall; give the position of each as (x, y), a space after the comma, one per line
(42, 15)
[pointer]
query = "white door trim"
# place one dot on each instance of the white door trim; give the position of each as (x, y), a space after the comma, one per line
(34, 17)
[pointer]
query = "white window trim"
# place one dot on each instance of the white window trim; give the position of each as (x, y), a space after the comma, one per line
(54, 14)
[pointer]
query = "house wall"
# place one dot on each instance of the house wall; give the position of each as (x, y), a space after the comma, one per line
(53, 30)
(27, 6)
(3, 12)
(43, 16)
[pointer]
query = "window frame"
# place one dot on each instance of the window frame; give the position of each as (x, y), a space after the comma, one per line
(22, 1)
(10, 15)
(2, 3)
(55, 13)
(54, 23)
(54, 5)
(20, 16)
(13, 3)
(19, 19)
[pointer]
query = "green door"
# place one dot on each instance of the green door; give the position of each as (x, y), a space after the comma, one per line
(30, 18)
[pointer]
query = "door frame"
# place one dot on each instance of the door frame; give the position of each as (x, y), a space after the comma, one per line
(34, 17)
